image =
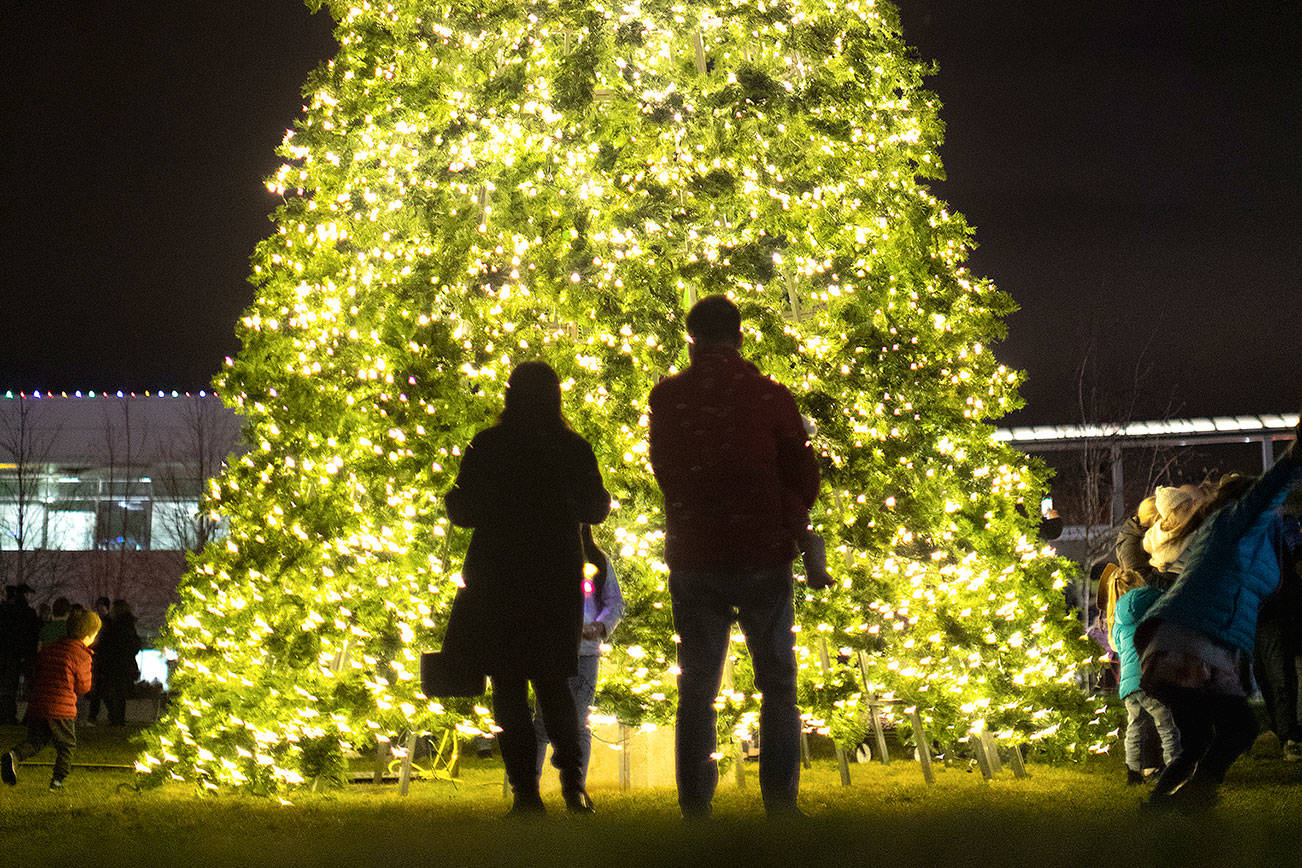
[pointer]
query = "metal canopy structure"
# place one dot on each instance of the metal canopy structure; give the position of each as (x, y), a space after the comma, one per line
(1167, 432)
(1264, 429)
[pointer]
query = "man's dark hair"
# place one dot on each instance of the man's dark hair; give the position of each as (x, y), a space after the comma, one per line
(714, 319)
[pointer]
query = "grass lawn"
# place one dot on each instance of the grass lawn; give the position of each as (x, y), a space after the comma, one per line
(1082, 815)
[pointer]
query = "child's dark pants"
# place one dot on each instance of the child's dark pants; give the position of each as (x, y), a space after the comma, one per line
(1214, 731)
(40, 732)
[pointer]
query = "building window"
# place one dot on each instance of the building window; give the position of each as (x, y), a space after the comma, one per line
(175, 525)
(70, 527)
(122, 524)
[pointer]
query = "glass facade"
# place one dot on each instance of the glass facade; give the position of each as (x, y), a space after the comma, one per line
(99, 508)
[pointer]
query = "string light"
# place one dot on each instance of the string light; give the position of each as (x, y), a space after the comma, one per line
(469, 189)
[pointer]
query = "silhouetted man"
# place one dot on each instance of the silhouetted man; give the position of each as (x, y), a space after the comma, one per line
(738, 474)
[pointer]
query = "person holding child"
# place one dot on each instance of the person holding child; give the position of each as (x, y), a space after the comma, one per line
(1196, 642)
(732, 457)
(62, 673)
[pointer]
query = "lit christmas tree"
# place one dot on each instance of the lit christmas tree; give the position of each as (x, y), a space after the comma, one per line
(473, 186)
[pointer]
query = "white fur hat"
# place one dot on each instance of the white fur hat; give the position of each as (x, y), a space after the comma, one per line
(1168, 498)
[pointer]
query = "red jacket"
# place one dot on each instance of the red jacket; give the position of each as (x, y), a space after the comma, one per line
(62, 674)
(730, 452)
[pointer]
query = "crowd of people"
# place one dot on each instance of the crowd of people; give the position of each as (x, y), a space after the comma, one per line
(67, 662)
(1203, 604)
(1203, 607)
(1206, 578)
(1203, 595)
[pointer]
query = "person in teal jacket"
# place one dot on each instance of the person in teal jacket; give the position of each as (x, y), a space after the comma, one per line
(1130, 599)
(1196, 642)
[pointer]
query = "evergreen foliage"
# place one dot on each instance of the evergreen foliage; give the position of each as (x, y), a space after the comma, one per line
(476, 184)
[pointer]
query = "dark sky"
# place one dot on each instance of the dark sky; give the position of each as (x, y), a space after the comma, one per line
(1131, 168)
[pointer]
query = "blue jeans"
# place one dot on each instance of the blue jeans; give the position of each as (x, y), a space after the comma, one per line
(582, 686)
(706, 603)
(1138, 706)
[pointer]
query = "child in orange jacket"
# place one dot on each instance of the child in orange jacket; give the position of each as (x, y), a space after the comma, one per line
(63, 672)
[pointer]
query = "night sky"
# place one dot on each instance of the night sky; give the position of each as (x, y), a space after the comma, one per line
(1131, 169)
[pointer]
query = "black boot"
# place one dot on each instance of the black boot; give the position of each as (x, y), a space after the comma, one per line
(576, 797)
(1134, 778)
(578, 802)
(527, 805)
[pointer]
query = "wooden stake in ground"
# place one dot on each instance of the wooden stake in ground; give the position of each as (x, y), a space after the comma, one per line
(924, 745)
(874, 710)
(841, 762)
(404, 776)
(992, 751)
(982, 758)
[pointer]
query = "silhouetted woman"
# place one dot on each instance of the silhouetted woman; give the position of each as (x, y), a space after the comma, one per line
(525, 486)
(115, 654)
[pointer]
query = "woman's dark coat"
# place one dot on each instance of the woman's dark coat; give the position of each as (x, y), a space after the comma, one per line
(525, 493)
(1131, 555)
(1130, 547)
(115, 656)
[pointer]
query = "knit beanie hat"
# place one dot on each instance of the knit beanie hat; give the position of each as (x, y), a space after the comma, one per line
(82, 625)
(1168, 498)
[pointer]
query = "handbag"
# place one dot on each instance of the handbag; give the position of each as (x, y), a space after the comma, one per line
(440, 673)
(441, 676)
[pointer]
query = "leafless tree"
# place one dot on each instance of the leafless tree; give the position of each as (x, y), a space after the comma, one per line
(193, 453)
(26, 445)
(1099, 496)
(117, 561)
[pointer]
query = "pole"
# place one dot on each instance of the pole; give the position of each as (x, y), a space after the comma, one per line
(983, 760)
(625, 764)
(1118, 485)
(404, 777)
(924, 745)
(841, 762)
(874, 710)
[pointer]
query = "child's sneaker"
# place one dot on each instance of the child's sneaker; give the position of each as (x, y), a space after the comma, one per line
(56, 784)
(8, 774)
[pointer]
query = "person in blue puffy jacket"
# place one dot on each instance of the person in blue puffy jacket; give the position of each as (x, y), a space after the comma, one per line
(1128, 601)
(1196, 642)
